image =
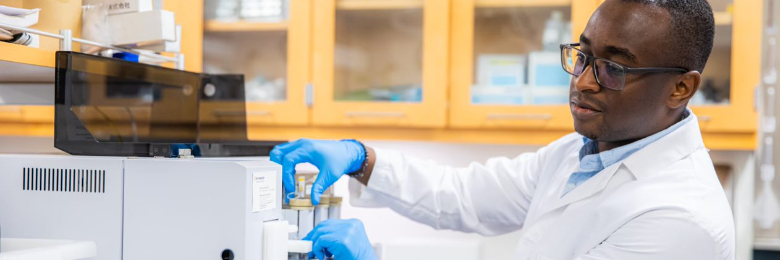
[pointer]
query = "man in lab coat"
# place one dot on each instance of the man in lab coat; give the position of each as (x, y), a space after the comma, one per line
(634, 182)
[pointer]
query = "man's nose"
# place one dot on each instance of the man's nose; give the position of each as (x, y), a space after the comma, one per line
(587, 81)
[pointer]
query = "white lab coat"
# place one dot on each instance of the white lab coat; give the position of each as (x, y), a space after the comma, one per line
(662, 202)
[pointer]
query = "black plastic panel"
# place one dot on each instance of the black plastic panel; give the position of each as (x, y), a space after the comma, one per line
(111, 107)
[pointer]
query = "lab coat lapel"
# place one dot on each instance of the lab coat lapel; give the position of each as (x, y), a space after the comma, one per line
(666, 151)
(656, 156)
(584, 190)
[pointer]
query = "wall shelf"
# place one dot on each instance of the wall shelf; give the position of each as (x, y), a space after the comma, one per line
(26, 55)
(22, 64)
(244, 26)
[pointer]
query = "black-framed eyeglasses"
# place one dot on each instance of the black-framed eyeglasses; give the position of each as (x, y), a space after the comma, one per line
(609, 74)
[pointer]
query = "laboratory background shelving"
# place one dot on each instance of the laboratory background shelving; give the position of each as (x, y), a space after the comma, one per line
(22, 66)
(272, 56)
(66, 16)
(305, 55)
(326, 70)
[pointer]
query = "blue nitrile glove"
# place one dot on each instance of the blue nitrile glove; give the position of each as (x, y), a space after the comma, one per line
(342, 239)
(332, 158)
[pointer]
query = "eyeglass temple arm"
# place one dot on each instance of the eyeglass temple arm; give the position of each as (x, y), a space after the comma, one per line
(644, 70)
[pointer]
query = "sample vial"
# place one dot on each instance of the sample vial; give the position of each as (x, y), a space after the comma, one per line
(320, 214)
(334, 211)
(305, 222)
(301, 190)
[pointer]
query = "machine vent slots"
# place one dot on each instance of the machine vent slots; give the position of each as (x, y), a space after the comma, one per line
(64, 180)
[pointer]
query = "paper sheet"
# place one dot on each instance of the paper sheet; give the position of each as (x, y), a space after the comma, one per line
(11, 11)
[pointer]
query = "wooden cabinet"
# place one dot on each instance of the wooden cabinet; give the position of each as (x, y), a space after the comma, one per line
(274, 59)
(502, 76)
(189, 14)
(733, 70)
(380, 62)
(415, 70)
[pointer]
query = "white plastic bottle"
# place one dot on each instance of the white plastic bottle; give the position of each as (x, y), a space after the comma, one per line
(553, 31)
(566, 34)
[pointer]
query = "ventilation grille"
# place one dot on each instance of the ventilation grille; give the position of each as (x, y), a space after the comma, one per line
(64, 180)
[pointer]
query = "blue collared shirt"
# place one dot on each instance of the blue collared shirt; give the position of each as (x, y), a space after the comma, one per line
(593, 162)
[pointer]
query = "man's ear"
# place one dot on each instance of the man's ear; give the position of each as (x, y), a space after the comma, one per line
(684, 88)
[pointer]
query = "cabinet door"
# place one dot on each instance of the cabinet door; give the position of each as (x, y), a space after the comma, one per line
(188, 14)
(725, 99)
(380, 62)
(274, 58)
(506, 70)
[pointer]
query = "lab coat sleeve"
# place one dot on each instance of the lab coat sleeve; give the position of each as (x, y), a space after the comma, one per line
(660, 234)
(490, 199)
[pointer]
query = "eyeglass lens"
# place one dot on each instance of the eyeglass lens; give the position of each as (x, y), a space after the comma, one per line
(608, 74)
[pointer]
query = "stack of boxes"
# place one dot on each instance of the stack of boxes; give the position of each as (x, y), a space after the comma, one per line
(138, 24)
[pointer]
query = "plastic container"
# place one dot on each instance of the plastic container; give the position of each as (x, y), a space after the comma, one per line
(553, 30)
(264, 10)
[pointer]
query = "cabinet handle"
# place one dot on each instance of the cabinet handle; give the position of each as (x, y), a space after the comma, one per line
(237, 113)
(258, 113)
(376, 114)
(705, 118)
(519, 116)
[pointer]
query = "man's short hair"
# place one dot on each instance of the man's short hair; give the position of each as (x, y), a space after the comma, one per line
(692, 31)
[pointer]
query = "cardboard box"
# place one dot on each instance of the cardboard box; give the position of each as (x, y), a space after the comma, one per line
(145, 28)
(166, 46)
(123, 6)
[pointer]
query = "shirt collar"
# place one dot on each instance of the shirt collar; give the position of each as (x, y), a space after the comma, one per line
(615, 155)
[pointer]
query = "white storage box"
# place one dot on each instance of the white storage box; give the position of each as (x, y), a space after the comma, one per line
(166, 46)
(123, 6)
(145, 28)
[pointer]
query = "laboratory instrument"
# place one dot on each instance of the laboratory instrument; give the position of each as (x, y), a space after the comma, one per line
(153, 172)
(334, 159)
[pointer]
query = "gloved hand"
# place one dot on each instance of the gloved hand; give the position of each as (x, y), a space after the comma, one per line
(342, 239)
(332, 158)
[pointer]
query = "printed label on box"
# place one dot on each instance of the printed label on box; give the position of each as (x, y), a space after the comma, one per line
(263, 191)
